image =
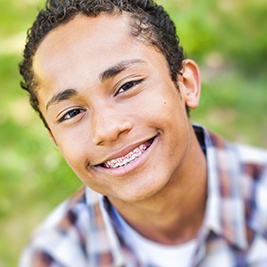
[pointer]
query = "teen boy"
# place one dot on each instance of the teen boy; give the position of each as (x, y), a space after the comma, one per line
(111, 84)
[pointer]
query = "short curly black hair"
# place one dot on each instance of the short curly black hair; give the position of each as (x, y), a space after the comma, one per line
(148, 21)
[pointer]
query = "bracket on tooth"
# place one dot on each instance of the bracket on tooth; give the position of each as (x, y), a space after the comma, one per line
(119, 162)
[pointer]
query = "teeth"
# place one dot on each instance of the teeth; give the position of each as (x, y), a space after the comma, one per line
(137, 152)
(142, 148)
(119, 162)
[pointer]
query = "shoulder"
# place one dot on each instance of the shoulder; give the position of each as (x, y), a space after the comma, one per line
(246, 169)
(253, 162)
(63, 230)
(65, 214)
(254, 186)
(249, 154)
(253, 166)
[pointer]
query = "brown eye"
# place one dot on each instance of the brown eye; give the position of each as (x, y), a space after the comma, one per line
(70, 114)
(128, 86)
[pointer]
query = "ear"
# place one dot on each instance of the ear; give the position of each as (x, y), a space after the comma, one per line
(52, 137)
(190, 84)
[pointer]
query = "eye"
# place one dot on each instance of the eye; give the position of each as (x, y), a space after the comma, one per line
(128, 86)
(71, 114)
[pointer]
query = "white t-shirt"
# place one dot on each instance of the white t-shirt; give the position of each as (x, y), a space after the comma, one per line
(154, 253)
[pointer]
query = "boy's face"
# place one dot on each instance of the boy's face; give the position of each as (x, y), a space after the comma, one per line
(113, 110)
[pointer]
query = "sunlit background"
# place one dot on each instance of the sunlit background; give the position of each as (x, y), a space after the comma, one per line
(227, 38)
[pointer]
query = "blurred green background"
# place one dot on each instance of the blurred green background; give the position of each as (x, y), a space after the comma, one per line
(227, 38)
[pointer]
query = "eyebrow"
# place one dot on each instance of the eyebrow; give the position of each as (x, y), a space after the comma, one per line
(64, 95)
(116, 69)
(105, 75)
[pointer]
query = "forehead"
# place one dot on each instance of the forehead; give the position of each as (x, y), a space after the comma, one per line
(84, 36)
(94, 31)
(104, 36)
(74, 54)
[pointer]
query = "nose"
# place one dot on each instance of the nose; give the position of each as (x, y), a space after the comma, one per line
(109, 124)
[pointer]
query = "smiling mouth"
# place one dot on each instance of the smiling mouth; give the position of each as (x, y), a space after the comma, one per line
(130, 157)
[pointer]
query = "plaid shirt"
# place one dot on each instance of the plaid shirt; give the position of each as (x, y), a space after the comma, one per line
(82, 232)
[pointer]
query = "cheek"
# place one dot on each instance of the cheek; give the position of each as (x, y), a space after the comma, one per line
(73, 147)
(171, 110)
(163, 101)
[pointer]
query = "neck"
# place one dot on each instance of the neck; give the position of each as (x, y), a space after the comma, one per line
(175, 214)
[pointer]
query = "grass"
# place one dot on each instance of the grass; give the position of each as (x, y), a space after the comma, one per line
(226, 38)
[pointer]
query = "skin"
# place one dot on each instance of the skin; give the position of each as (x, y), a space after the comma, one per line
(103, 93)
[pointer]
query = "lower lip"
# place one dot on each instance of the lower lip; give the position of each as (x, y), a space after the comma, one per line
(135, 164)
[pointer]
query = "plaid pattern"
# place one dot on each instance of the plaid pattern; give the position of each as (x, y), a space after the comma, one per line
(81, 231)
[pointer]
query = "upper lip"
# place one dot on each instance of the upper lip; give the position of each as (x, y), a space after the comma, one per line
(124, 151)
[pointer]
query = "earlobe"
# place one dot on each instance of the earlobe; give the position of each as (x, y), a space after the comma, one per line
(189, 83)
(52, 137)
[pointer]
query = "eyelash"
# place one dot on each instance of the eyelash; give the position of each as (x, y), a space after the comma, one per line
(70, 114)
(128, 86)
